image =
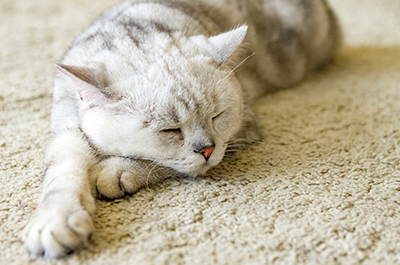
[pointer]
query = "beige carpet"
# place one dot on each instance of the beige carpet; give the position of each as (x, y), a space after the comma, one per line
(322, 188)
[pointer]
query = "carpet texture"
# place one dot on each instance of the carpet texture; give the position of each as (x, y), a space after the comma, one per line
(322, 188)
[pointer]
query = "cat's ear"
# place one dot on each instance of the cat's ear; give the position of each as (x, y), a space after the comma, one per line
(86, 84)
(226, 43)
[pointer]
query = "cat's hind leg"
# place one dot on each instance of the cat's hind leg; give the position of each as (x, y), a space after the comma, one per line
(117, 176)
(64, 218)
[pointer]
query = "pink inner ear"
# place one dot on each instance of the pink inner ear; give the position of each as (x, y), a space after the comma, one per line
(90, 95)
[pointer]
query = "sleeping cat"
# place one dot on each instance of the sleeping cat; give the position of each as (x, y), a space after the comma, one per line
(152, 90)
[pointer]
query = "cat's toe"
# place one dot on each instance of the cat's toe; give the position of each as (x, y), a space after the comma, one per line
(32, 236)
(55, 234)
(109, 183)
(116, 177)
(129, 182)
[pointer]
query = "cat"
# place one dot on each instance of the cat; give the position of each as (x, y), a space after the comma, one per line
(152, 90)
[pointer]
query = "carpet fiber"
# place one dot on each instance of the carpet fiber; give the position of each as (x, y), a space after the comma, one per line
(322, 188)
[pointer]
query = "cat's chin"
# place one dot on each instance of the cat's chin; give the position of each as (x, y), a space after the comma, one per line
(205, 166)
(198, 171)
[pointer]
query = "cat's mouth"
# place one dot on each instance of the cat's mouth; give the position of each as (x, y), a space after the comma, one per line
(200, 171)
(197, 163)
(194, 169)
(202, 168)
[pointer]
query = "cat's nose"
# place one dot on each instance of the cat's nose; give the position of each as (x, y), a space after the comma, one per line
(206, 151)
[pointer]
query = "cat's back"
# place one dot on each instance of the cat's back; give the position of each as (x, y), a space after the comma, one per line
(214, 16)
(273, 26)
(289, 38)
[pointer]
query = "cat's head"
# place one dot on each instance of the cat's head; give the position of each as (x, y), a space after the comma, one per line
(178, 105)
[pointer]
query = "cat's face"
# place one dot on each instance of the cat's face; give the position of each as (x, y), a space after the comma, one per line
(182, 118)
(175, 105)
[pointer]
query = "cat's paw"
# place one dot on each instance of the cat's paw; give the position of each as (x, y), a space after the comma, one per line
(58, 229)
(116, 177)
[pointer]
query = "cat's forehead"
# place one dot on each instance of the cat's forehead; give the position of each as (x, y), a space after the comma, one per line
(183, 104)
(172, 74)
(172, 101)
(175, 87)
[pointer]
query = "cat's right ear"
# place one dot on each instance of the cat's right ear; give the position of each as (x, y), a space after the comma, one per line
(83, 79)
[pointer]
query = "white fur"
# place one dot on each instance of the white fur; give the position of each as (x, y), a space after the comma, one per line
(65, 214)
(148, 87)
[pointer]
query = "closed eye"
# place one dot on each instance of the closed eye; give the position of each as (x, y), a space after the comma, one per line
(173, 133)
(175, 130)
(218, 115)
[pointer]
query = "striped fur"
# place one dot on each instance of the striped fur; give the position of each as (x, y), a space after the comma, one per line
(150, 84)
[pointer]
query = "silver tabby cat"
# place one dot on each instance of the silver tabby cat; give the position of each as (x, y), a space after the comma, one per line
(151, 90)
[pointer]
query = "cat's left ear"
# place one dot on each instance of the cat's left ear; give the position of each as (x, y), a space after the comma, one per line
(221, 46)
(226, 43)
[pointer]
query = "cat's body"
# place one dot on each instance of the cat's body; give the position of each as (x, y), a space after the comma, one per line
(150, 90)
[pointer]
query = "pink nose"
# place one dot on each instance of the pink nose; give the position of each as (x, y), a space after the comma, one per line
(206, 152)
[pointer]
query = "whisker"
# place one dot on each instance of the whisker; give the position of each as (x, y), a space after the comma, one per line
(229, 154)
(230, 145)
(155, 164)
(234, 69)
(241, 140)
(234, 149)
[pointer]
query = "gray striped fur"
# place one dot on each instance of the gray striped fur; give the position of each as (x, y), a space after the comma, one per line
(152, 89)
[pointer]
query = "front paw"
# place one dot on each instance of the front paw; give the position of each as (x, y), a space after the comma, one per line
(116, 176)
(57, 231)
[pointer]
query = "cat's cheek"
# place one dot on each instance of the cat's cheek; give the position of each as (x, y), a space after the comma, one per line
(227, 127)
(92, 123)
(217, 156)
(111, 134)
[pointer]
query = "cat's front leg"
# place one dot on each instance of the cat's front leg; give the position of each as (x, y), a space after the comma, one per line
(117, 176)
(64, 218)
